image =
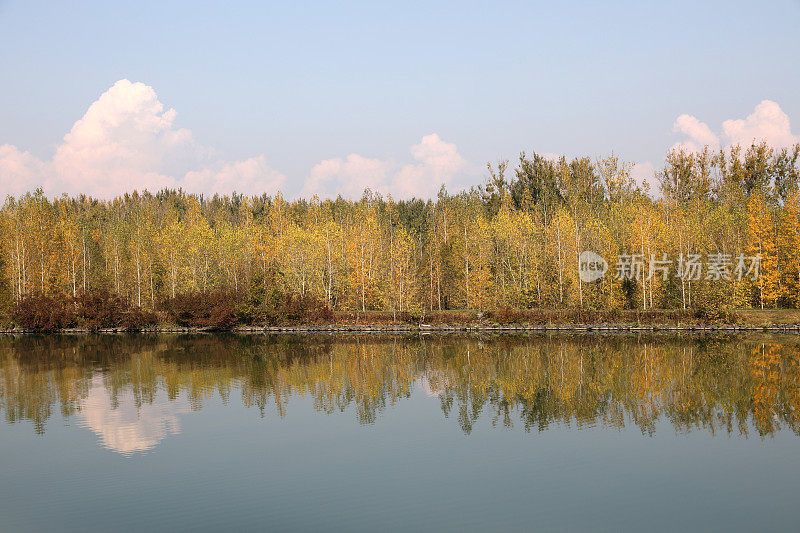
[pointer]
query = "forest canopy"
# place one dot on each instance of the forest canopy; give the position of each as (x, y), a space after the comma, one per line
(513, 242)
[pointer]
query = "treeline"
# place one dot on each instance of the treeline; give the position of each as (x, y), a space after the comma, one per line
(511, 243)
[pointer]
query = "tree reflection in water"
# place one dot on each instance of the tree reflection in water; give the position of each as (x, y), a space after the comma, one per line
(131, 389)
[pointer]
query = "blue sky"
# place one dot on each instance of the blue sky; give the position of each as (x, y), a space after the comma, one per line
(297, 85)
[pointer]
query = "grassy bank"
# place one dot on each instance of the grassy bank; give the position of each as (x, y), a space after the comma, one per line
(565, 317)
(224, 311)
(763, 317)
(504, 319)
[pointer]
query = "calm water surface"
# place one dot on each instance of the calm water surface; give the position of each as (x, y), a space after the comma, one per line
(423, 433)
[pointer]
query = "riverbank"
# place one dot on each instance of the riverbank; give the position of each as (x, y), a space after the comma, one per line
(427, 328)
(752, 320)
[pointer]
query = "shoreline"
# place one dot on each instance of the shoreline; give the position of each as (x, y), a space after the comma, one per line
(433, 328)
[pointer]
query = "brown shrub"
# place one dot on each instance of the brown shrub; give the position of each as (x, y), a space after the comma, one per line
(100, 309)
(44, 313)
(91, 310)
(409, 317)
(137, 319)
(286, 308)
(212, 310)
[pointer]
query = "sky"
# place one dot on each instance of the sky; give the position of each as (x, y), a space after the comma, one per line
(328, 98)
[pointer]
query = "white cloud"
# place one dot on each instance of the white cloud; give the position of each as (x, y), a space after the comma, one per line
(436, 163)
(126, 140)
(18, 169)
(252, 177)
(699, 134)
(645, 174)
(767, 123)
(348, 177)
